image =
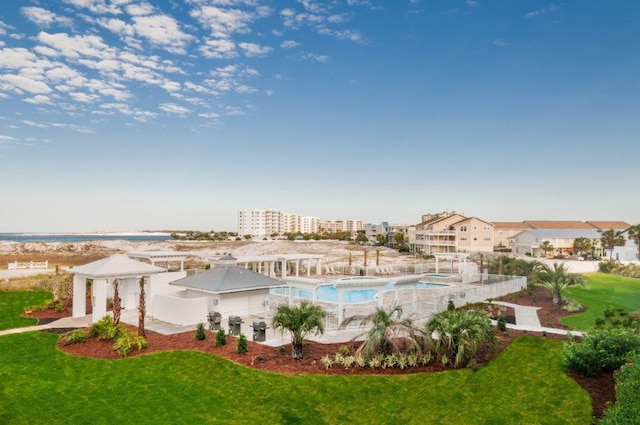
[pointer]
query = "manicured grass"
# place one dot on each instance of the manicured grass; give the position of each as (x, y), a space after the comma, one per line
(41, 385)
(601, 292)
(12, 304)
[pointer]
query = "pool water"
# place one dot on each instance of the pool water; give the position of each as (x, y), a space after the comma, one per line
(329, 293)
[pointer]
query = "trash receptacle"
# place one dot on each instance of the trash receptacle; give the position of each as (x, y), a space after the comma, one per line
(259, 331)
(235, 323)
(215, 319)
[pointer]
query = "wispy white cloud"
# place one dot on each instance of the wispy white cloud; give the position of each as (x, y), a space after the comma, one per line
(498, 42)
(253, 49)
(44, 17)
(314, 57)
(289, 44)
(542, 12)
(173, 108)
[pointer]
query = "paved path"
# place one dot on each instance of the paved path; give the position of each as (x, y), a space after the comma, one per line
(527, 320)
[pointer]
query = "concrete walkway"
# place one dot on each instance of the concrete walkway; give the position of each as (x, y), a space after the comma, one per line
(527, 320)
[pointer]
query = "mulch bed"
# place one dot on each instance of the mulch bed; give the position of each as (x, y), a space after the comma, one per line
(271, 359)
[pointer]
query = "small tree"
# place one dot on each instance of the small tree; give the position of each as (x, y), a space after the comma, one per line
(200, 335)
(610, 239)
(557, 279)
(546, 247)
(299, 321)
(388, 334)
(634, 235)
(221, 338)
(241, 344)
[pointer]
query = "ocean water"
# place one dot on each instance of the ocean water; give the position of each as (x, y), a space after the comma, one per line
(83, 237)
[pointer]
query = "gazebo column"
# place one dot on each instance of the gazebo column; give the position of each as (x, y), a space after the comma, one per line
(319, 267)
(99, 300)
(283, 268)
(272, 268)
(437, 263)
(297, 265)
(79, 296)
(308, 268)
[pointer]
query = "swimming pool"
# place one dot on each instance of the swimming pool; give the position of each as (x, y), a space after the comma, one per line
(329, 293)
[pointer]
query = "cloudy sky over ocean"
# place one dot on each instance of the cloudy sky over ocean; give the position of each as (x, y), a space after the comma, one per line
(174, 114)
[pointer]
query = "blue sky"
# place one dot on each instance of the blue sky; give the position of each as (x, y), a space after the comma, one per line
(129, 115)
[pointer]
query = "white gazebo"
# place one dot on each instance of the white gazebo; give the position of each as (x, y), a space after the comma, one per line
(102, 273)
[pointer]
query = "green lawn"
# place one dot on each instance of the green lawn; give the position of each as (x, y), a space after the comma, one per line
(601, 292)
(40, 384)
(12, 304)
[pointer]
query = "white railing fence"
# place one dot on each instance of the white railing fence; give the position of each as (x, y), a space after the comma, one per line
(30, 265)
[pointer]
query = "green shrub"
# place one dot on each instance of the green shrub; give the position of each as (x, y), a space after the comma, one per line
(451, 306)
(127, 341)
(74, 337)
(221, 338)
(502, 323)
(282, 350)
(601, 351)
(344, 350)
(106, 329)
(58, 307)
(200, 335)
(241, 344)
(572, 306)
(627, 408)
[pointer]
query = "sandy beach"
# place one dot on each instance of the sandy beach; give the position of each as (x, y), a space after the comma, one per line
(198, 252)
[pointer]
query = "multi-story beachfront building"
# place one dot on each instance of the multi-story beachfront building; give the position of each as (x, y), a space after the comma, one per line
(259, 223)
(450, 233)
(351, 226)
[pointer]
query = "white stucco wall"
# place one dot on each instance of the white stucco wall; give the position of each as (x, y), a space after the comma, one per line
(180, 308)
(243, 303)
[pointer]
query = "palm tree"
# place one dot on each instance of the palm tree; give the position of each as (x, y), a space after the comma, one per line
(56, 286)
(460, 334)
(389, 332)
(116, 302)
(610, 239)
(634, 235)
(546, 246)
(557, 279)
(581, 245)
(300, 321)
(142, 307)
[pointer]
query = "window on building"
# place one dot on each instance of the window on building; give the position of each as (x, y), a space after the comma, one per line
(463, 228)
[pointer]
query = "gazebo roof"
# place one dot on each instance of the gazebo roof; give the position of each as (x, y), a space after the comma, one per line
(116, 266)
(227, 279)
